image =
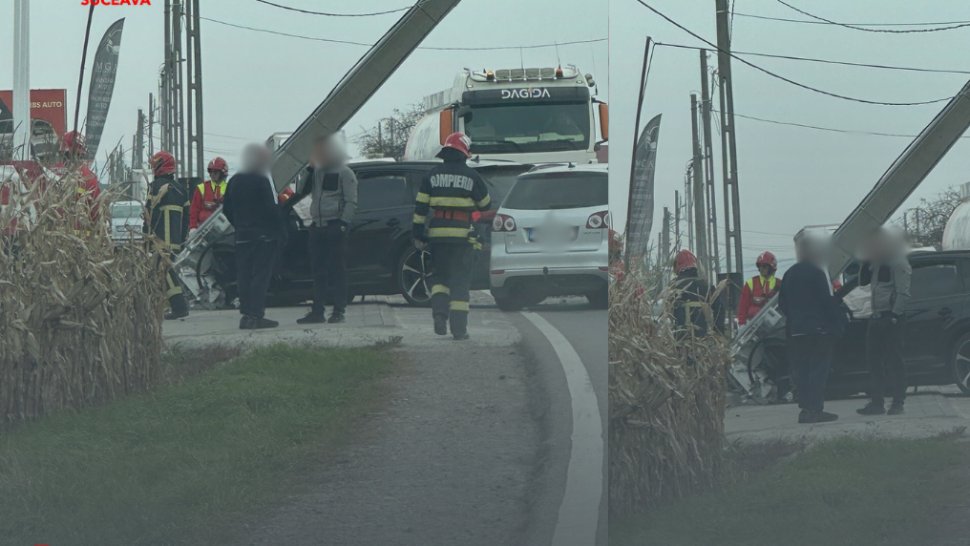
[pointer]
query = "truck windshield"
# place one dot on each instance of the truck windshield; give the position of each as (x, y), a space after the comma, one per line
(558, 191)
(528, 128)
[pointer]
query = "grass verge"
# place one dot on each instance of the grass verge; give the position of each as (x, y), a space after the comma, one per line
(844, 491)
(185, 463)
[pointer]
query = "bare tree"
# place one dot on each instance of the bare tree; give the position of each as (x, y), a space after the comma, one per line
(924, 223)
(389, 137)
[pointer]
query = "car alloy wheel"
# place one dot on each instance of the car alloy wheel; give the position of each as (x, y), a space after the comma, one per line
(414, 276)
(961, 363)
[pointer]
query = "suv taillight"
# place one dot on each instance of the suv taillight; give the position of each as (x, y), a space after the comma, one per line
(503, 222)
(598, 220)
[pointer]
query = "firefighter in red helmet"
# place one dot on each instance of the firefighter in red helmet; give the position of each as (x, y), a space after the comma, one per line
(450, 193)
(758, 289)
(74, 160)
(695, 311)
(166, 204)
(207, 196)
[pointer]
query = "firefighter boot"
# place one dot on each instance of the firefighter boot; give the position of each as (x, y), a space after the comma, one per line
(439, 308)
(179, 308)
(458, 318)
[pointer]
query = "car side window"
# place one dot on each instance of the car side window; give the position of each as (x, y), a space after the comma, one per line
(935, 280)
(383, 191)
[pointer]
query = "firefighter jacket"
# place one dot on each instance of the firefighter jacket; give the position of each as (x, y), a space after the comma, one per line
(206, 198)
(166, 206)
(88, 189)
(443, 208)
(754, 295)
(694, 311)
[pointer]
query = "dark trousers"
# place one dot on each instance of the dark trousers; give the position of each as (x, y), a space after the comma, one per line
(173, 289)
(255, 262)
(885, 357)
(811, 358)
(328, 263)
(450, 280)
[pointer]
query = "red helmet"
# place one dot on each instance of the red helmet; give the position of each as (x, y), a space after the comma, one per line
(162, 163)
(73, 143)
(218, 164)
(685, 259)
(458, 141)
(767, 258)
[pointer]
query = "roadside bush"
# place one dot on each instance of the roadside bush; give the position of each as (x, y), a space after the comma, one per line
(666, 432)
(80, 317)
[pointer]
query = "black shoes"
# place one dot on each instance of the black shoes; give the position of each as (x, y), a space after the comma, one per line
(895, 409)
(337, 317)
(312, 318)
(873, 408)
(809, 417)
(255, 323)
(175, 315)
(460, 337)
(441, 326)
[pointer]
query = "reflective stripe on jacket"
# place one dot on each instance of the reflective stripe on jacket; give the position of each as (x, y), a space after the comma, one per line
(755, 294)
(453, 190)
(206, 198)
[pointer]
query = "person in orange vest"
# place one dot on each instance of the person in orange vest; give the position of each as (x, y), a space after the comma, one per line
(207, 196)
(759, 289)
(74, 160)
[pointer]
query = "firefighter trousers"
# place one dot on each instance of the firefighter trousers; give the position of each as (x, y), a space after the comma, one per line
(450, 281)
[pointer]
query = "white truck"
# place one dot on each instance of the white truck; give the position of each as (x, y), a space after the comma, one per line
(526, 115)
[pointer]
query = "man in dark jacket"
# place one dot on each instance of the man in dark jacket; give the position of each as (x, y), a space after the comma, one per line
(250, 205)
(694, 311)
(166, 204)
(813, 321)
(333, 188)
(443, 209)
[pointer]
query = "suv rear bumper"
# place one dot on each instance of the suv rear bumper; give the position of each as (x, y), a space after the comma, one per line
(550, 281)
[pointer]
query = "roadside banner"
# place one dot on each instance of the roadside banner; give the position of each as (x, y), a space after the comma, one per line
(102, 85)
(640, 216)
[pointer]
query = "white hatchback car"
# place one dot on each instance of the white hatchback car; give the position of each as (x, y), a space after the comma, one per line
(126, 220)
(550, 237)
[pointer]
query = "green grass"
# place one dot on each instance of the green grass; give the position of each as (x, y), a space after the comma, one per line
(185, 464)
(845, 491)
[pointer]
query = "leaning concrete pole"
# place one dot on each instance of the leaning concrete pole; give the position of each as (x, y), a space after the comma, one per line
(21, 79)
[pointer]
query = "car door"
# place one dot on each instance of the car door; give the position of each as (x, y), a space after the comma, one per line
(384, 204)
(937, 290)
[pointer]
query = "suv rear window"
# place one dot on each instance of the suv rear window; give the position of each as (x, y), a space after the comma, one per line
(383, 191)
(558, 191)
(935, 280)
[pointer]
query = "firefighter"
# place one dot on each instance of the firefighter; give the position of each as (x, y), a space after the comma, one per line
(694, 311)
(449, 195)
(758, 289)
(208, 195)
(74, 160)
(167, 199)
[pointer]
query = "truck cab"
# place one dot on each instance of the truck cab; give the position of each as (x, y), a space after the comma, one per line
(526, 115)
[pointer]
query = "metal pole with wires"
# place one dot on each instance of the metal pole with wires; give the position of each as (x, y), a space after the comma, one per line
(697, 194)
(732, 223)
(708, 156)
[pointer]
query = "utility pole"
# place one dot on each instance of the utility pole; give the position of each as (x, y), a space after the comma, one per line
(164, 91)
(729, 160)
(697, 186)
(193, 110)
(151, 125)
(709, 166)
(138, 150)
(677, 219)
(178, 115)
(689, 203)
(21, 80)
(665, 235)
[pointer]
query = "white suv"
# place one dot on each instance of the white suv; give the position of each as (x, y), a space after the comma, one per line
(550, 237)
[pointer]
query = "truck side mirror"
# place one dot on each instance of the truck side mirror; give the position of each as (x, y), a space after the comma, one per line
(604, 111)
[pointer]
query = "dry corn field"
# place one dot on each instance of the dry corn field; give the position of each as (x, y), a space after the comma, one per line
(666, 403)
(80, 317)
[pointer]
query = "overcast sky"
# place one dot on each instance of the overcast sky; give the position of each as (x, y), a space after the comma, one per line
(789, 176)
(256, 83)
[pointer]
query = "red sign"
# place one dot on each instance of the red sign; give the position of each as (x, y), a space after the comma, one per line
(49, 105)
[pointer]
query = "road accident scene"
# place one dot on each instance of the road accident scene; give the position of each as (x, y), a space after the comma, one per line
(292, 272)
(789, 314)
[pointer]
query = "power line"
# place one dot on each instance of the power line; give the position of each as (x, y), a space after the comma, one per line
(785, 79)
(310, 12)
(429, 48)
(826, 61)
(828, 129)
(807, 22)
(864, 29)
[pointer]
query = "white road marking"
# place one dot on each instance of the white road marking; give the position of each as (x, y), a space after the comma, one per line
(580, 508)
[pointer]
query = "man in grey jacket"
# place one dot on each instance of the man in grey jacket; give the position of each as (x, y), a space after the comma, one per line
(888, 273)
(333, 189)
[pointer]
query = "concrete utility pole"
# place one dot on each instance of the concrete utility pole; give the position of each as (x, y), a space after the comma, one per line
(138, 150)
(709, 166)
(193, 111)
(677, 219)
(697, 187)
(164, 85)
(151, 125)
(21, 80)
(729, 158)
(665, 235)
(178, 114)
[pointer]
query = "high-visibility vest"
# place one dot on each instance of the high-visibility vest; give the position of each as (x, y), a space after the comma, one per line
(761, 292)
(212, 193)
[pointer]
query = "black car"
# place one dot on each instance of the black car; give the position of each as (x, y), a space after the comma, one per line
(936, 344)
(382, 259)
